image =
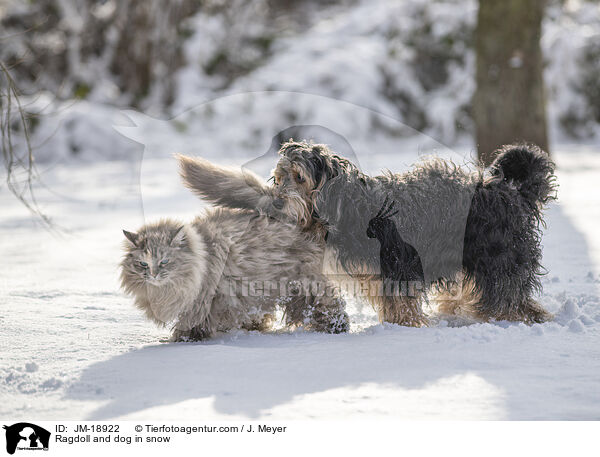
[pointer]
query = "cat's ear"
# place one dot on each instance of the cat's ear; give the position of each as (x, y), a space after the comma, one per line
(177, 236)
(133, 237)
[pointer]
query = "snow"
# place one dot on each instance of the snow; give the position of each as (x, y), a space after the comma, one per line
(74, 347)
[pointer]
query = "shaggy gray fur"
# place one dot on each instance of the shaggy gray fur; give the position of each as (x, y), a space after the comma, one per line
(484, 229)
(198, 287)
(481, 228)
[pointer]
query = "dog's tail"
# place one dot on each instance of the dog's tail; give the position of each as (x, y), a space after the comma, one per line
(226, 187)
(529, 168)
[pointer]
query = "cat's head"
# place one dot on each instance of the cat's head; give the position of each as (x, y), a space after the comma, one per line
(157, 253)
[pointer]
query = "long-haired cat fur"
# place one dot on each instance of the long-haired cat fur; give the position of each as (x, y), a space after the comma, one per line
(229, 269)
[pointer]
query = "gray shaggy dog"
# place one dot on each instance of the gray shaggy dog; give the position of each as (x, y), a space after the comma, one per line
(473, 238)
(229, 269)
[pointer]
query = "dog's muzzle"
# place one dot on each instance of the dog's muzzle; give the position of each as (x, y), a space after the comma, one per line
(292, 204)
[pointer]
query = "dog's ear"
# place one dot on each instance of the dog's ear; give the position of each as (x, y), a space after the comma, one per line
(133, 237)
(177, 236)
(324, 165)
(319, 169)
(339, 165)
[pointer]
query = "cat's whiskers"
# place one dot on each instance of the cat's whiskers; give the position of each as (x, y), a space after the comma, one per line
(163, 290)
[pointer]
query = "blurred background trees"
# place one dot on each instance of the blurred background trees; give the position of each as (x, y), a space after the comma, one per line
(463, 72)
(124, 51)
(509, 103)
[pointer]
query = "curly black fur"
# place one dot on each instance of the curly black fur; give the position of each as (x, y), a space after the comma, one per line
(485, 227)
(317, 159)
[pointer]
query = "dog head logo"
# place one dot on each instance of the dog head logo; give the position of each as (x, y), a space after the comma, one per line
(26, 436)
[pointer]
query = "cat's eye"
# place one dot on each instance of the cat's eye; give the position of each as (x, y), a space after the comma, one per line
(164, 262)
(144, 264)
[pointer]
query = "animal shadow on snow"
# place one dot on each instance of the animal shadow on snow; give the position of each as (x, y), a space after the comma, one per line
(253, 373)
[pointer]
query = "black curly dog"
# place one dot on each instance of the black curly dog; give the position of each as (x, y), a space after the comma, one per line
(481, 229)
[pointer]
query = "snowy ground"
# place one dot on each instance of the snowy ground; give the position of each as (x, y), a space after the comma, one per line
(73, 346)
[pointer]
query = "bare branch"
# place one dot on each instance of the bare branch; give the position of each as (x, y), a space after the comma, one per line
(17, 155)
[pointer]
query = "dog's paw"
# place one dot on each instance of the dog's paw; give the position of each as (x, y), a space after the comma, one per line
(330, 322)
(339, 323)
(534, 313)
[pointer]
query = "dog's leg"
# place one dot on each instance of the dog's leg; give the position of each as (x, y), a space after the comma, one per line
(327, 314)
(527, 311)
(318, 307)
(458, 298)
(507, 297)
(401, 310)
(318, 314)
(534, 313)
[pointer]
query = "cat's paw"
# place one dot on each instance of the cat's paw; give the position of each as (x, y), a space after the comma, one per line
(186, 336)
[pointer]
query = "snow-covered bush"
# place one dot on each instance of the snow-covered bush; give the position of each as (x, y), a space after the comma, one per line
(117, 52)
(411, 60)
(571, 45)
(581, 121)
(428, 67)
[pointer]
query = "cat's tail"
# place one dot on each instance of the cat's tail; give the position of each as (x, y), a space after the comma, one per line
(225, 187)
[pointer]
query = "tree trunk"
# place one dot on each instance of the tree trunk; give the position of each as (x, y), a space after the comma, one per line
(509, 104)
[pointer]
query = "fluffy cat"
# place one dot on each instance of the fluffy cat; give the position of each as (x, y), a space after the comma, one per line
(203, 277)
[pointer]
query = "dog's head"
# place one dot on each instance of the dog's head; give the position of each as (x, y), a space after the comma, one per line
(301, 172)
